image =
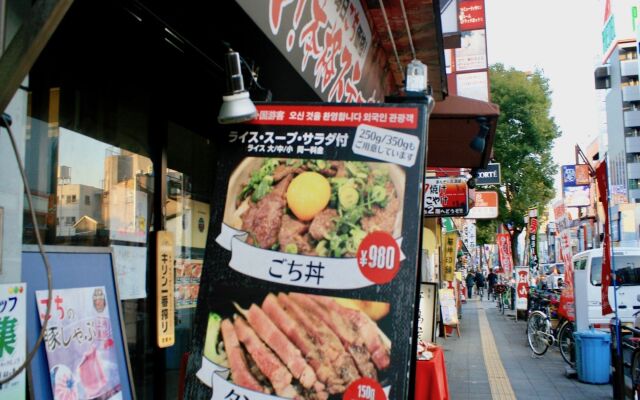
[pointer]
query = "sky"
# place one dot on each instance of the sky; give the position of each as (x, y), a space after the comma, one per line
(562, 39)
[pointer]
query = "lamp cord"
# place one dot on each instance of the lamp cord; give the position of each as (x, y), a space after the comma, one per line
(406, 25)
(393, 42)
(6, 122)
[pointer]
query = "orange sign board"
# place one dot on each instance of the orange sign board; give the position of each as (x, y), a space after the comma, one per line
(485, 206)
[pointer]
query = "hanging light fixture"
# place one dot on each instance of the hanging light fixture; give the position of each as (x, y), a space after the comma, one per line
(479, 141)
(236, 104)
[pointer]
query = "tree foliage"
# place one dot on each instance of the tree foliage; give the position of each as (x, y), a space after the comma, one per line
(524, 139)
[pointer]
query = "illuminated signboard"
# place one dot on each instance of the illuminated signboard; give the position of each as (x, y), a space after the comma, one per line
(446, 197)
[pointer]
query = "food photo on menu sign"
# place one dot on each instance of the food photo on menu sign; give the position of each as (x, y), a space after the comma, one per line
(309, 276)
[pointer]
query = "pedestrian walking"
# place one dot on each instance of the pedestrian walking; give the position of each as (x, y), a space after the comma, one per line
(479, 278)
(470, 280)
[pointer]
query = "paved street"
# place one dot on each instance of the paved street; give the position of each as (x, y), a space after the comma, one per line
(492, 360)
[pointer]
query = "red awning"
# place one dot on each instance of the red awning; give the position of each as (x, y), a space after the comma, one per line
(454, 123)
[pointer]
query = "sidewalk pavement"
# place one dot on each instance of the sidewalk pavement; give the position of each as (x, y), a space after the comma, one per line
(469, 357)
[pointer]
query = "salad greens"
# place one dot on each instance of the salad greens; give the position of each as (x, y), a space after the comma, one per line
(261, 181)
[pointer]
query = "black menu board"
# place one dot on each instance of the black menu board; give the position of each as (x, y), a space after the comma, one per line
(308, 288)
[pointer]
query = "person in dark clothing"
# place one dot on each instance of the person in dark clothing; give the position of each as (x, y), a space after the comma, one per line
(479, 283)
(470, 280)
(492, 278)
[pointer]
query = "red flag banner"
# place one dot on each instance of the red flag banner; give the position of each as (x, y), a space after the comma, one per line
(601, 177)
(504, 253)
(567, 299)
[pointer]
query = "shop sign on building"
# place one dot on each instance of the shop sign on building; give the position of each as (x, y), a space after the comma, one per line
(471, 15)
(576, 185)
(619, 23)
(446, 197)
(474, 85)
(575, 175)
(165, 306)
(485, 206)
(327, 42)
(490, 175)
(472, 54)
(13, 336)
(313, 224)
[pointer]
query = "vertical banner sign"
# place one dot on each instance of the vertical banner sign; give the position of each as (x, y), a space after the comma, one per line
(601, 177)
(165, 307)
(504, 253)
(567, 301)
(309, 279)
(13, 338)
(533, 240)
(450, 250)
(522, 287)
(427, 312)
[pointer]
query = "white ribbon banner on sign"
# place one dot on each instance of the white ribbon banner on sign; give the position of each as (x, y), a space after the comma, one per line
(223, 388)
(208, 368)
(292, 269)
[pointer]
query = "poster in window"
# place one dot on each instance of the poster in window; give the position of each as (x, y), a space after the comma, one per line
(187, 283)
(79, 344)
(13, 337)
(313, 248)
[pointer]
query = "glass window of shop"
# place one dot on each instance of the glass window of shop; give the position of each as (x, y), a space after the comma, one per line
(112, 112)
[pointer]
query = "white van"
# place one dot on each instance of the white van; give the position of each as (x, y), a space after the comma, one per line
(587, 267)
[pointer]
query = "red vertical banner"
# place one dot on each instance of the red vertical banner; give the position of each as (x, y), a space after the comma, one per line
(601, 177)
(567, 307)
(504, 253)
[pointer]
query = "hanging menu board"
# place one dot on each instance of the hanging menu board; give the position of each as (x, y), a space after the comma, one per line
(309, 281)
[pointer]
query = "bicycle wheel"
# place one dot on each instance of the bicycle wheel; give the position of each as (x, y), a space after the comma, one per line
(538, 332)
(566, 342)
(635, 372)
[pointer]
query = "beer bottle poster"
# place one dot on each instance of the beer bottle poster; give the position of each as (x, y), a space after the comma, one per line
(308, 288)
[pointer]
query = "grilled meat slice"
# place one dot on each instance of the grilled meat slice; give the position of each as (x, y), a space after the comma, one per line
(334, 319)
(365, 329)
(240, 373)
(323, 223)
(299, 336)
(326, 340)
(293, 232)
(383, 219)
(263, 219)
(282, 346)
(267, 362)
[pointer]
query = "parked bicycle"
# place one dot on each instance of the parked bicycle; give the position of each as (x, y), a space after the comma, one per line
(503, 295)
(545, 328)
